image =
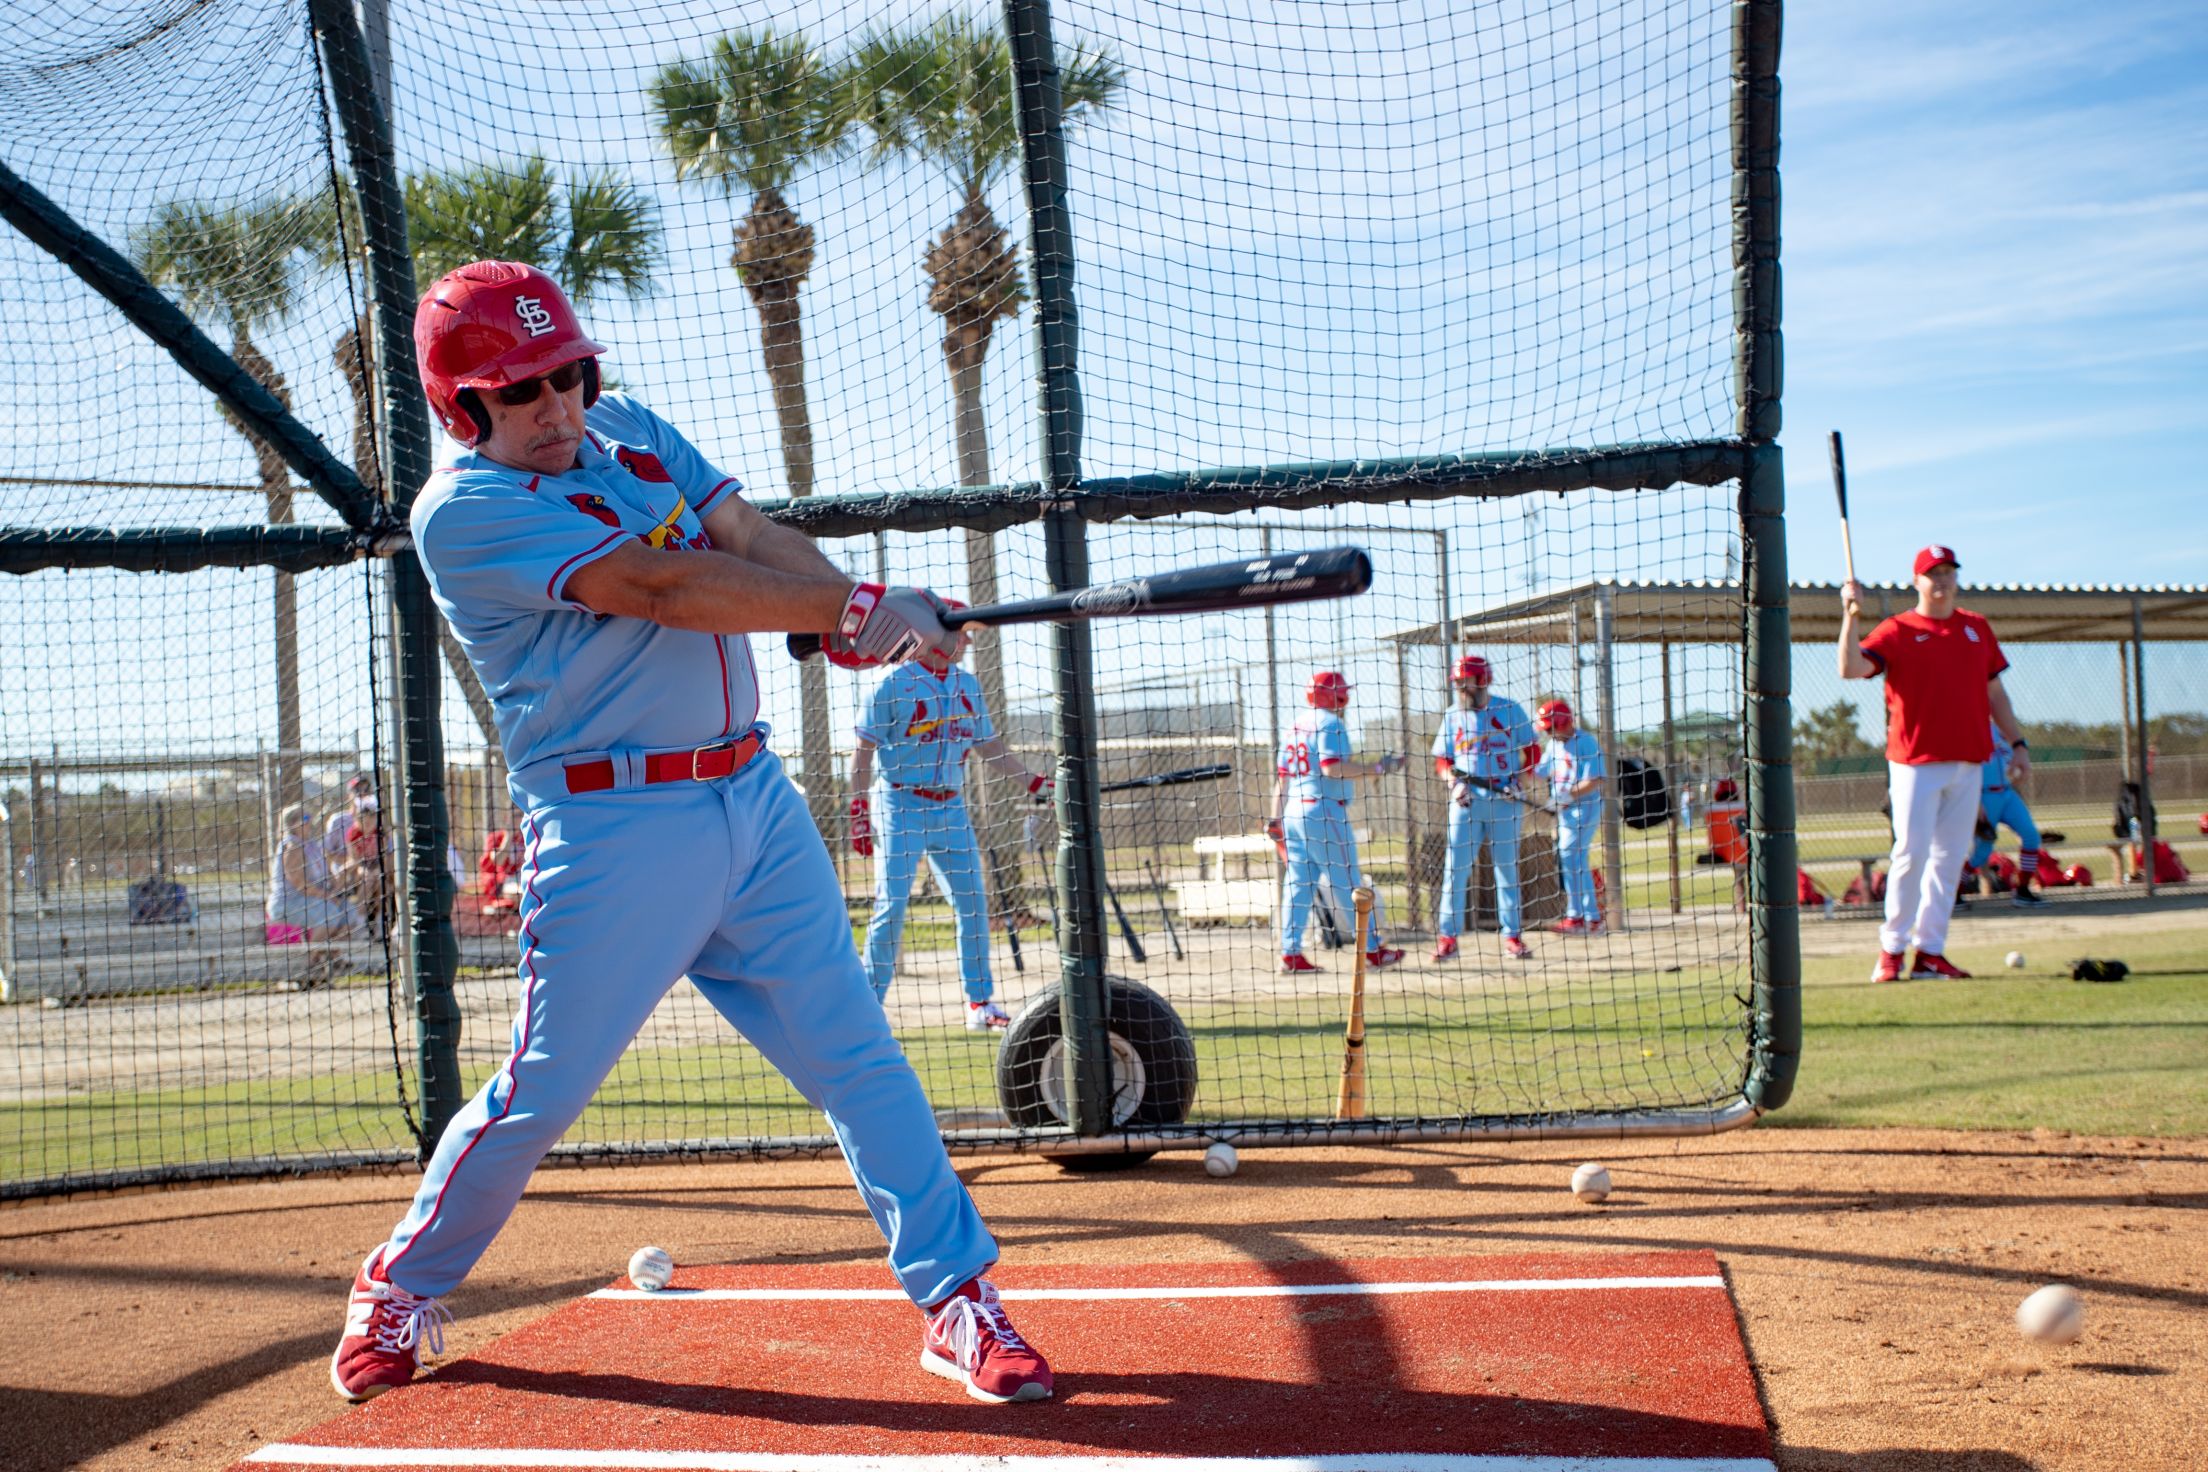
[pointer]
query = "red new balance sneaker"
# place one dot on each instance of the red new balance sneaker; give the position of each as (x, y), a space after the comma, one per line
(1888, 967)
(1292, 965)
(1381, 956)
(1933, 964)
(971, 1340)
(385, 1329)
(1517, 949)
(1445, 948)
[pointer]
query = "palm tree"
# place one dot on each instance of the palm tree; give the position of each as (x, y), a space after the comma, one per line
(748, 116)
(595, 232)
(944, 96)
(240, 265)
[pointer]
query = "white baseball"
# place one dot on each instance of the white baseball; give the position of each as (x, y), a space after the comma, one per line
(2054, 1314)
(650, 1268)
(1591, 1182)
(1220, 1160)
(2016, 960)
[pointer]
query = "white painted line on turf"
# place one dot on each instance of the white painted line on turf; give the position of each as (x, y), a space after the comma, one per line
(1251, 1290)
(394, 1456)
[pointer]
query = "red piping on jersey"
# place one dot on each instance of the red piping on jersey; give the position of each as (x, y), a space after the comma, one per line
(726, 482)
(513, 1059)
(552, 584)
(728, 699)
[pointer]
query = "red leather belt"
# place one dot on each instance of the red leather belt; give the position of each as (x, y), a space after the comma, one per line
(696, 764)
(932, 794)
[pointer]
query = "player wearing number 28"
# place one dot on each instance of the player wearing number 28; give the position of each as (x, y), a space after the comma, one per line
(602, 575)
(923, 719)
(1311, 819)
(1481, 750)
(1943, 686)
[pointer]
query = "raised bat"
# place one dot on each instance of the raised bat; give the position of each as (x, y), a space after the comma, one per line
(1840, 490)
(1289, 577)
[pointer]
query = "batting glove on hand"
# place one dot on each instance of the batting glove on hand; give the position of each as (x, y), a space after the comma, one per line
(1389, 764)
(1278, 833)
(881, 625)
(1461, 790)
(862, 828)
(1041, 789)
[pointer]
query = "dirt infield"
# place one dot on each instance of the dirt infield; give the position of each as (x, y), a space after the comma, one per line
(1876, 1273)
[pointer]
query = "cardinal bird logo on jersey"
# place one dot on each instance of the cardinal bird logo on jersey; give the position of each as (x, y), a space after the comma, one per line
(595, 508)
(643, 464)
(943, 725)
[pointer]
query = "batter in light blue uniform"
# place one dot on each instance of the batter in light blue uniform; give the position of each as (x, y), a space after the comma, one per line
(601, 575)
(1310, 823)
(1999, 802)
(1490, 738)
(1573, 766)
(922, 720)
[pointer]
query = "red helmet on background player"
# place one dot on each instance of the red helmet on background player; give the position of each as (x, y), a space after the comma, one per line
(1473, 668)
(489, 324)
(1555, 718)
(1329, 690)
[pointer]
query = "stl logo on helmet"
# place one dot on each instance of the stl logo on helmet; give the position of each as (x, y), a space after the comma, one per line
(533, 314)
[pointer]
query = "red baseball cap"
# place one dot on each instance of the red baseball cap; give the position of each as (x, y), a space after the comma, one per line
(1932, 557)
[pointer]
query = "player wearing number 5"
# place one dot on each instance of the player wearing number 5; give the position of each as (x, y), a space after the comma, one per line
(1311, 818)
(1489, 740)
(1573, 766)
(923, 719)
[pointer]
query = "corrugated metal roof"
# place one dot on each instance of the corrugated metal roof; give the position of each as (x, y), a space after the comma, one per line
(1711, 613)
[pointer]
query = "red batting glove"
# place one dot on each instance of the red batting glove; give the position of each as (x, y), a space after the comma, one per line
(862, 828)
(1041, 789)
(1278, 833)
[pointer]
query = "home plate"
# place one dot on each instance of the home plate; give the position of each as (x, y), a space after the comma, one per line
(1543, 1363)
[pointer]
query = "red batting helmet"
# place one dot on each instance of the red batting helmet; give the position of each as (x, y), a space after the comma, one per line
(489, 324)
(1555, 718)
(1329, 690)
(1472, 667)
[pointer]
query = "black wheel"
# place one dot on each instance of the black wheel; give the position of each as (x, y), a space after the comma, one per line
(1153, 1066)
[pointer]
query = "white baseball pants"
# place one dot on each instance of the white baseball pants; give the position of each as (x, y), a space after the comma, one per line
(1935, 815)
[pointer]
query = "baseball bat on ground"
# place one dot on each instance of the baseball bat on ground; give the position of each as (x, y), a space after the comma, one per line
(1290, 577)
(1126, 931)
(1349, 1100)
(1171, 779)
(1840, 490)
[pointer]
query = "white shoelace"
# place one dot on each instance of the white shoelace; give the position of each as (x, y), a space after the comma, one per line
(404, 1322)
(967, 1319)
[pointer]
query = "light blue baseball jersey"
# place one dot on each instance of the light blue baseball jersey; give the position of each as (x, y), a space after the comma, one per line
(501, 545)
(1317, 737)
(1488, 743)
(1573, 759)
(1997, 765)
(922, 725)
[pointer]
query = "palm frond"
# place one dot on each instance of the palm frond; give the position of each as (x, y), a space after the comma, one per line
(613, 237)
(751, 112)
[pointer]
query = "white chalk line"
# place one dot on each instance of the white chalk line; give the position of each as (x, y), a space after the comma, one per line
(297, 1454)
(1251, 1290)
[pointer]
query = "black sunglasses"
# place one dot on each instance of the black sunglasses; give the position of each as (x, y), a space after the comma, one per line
(562, 378)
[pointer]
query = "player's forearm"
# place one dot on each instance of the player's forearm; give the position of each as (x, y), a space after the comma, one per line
(1854, 663)
(784, 550)
(1280, 798)
(2004, 714)
(862, 768)
(724, 594)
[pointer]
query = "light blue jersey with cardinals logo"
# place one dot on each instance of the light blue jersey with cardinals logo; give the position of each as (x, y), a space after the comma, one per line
(921, 726)
(501, 546)
(1488, 743)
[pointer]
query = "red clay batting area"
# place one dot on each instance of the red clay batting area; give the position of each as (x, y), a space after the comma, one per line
(1628, 1362)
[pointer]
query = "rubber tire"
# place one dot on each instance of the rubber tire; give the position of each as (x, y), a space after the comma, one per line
(1140, 1021)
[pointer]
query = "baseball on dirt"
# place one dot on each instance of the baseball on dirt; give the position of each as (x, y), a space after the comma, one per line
(2054, 1314)
(1591, 1182)
(650, 1268)
(2015, 960)
(1220, 1160)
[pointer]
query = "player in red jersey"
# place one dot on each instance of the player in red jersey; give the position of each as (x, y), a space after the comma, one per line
(1943, 681)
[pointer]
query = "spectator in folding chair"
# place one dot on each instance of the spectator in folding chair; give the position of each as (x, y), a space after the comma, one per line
(303, 896)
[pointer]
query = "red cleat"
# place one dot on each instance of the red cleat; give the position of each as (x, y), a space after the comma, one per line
(1383, 956)
(971, 1340)
(1888, 967)
(1445, 948)
(1931, 964)
(1569, 925)
(385, 1329)
(1517, 949)
(1293, 965)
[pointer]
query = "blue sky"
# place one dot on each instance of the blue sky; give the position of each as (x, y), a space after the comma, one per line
(1310, 230)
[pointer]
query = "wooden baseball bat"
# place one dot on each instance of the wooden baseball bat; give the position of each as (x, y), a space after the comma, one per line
(1840, 490)
(1290, 577)
(1349, 1101)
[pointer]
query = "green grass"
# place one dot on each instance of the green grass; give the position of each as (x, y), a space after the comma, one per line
(2010, 1050)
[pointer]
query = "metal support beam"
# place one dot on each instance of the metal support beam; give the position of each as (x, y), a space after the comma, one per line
(2146, 744)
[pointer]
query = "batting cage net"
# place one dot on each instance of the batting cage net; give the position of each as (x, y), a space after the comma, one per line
(993, 301)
